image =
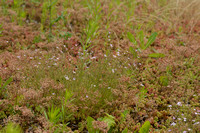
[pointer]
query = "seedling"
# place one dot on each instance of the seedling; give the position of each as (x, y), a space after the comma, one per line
(53, 114)
(140, 46)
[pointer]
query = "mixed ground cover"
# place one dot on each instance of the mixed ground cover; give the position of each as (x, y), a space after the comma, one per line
(99, 66)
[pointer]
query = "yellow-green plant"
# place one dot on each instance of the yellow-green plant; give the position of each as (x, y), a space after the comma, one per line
(12, 128)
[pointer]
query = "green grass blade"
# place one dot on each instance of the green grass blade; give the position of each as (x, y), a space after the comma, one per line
(151, 39)
(7, 82)
(131, 38)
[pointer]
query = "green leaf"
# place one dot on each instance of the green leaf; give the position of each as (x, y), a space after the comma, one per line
(141, 37)
(156, 55)
(145, 127)
(110, 120)
(131, 38)
(151, 39)
(7, 82)
(89, 125)
(125, 130)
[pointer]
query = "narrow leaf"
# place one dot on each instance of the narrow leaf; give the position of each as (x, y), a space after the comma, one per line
(7, 82)
(151, 39)
(141, 37)
(131, 38)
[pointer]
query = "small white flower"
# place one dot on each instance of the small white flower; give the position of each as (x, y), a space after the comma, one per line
(55, 64)
(169, 106)
(196, 123)
(114, 56)
(184, 131)
(185, 119)
(141, 85)
(113, 70)
(105, 55)
(179, 104)
(111, 45)
(74, 71)
(118, 54)
(53, 93)
(31, 57)
(39, 63)
(18, 57)
(94, 85)
(173, 124)
(109, 87)
(179, 119)
(74, 78)
(189, 129)
(93, 57)
(86, 96)
(66, 77)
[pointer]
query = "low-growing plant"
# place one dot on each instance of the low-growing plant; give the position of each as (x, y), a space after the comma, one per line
(145, 127)
(142, 45)
(53, 114)
(108, 119)
(12, 128)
